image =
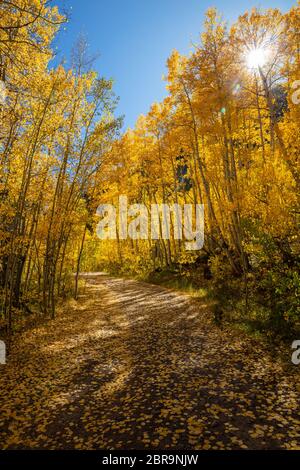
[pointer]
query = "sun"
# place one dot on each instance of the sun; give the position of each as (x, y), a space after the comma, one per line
(257, 57)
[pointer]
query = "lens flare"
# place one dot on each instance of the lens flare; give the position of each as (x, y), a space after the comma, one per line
(257, 58)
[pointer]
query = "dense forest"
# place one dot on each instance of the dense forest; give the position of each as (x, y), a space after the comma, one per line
(56, 126)
(113, 341)
(226, 136)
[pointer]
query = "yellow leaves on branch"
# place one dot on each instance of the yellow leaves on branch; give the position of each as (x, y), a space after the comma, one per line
(232, 129)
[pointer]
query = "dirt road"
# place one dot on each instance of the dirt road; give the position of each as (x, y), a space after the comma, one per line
(135, 366)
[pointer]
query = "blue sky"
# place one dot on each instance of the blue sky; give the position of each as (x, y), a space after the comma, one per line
(135, 38)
